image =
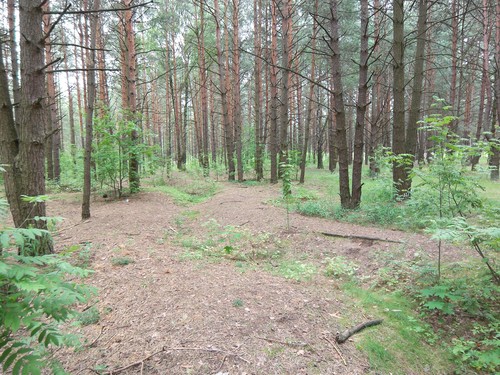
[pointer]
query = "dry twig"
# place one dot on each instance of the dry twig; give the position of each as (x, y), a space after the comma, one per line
(293, 343)
(166, 349)
(97, 338)
(337, 349)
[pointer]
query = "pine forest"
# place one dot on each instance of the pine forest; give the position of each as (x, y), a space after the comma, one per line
(249, 187)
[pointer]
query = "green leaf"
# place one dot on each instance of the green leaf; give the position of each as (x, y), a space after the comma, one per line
(33, 368)
(17, 367)
(5, 240)
(9, 361)
(42, 335)
(18, 237)
(5, 354)
(12, 321)
(435, 305)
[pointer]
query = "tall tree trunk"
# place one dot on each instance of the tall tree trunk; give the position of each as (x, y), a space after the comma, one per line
(258, 120)
(52, 126)
(203, 92)
(332, 141)
(494, 161)
(89, 114)
(361, 105)
(454, 60)
(9, 147)
(430, 72)
(285, 9)
(237, 117)
(416, 95)
(321, 138)
(131, 74)
(30, 161)
(214, 133)
(399, 174)
(80, 103)
(14, 58)
(311, 100)
(339, 107)
(103, 102)
(176, 100)
(377, 97)
(273, 73)
(71, 106)
(228, 132)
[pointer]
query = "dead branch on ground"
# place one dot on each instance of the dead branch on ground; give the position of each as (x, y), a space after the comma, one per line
(359, 237)
(342, 337)
(167, 349)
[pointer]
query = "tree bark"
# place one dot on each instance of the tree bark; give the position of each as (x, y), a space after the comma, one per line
(258, 121)
(361, 105)
(9, 147)
(131, 73)
(53, 141)
(273, 72)
(339, 108)
(30, 159)
(454, 60)
(14, 59)
(311, 100)
(398, 138)
(237, 117)
(494, 161)
(89, 114)
(285, 9)
(204, 93)
(80, 104)
(377, 97)
(416, 96)
(228, 131)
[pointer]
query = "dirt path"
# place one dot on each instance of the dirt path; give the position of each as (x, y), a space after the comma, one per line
(205, 317)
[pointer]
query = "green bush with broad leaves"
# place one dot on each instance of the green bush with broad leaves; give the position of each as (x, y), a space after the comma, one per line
(37, 294)
(113, 148)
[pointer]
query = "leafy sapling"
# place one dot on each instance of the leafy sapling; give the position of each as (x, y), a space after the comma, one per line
(286, 170)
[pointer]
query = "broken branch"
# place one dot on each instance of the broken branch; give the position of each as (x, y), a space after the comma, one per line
(342, 337)
(359, 237)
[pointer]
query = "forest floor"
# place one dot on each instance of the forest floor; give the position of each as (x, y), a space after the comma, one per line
(223, 286)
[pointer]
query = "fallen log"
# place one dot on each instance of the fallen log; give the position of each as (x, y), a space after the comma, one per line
(359, 237)
(342, 337)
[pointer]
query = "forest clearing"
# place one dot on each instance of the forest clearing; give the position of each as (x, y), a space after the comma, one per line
(195, 276)
(249, 187)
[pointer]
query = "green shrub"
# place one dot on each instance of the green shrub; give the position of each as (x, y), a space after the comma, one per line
(121, 261)
(340, 267)
(481, 351)
(88, 317)
(35, 297)
(296, 270)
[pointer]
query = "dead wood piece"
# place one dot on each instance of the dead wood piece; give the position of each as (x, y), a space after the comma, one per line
(167, 349)
(230, 202)
(96, 339)
(358, 237)
(342, 337)
(287, 343)
(337, 349)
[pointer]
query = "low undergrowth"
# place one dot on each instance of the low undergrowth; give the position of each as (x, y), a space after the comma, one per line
(183, 188)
